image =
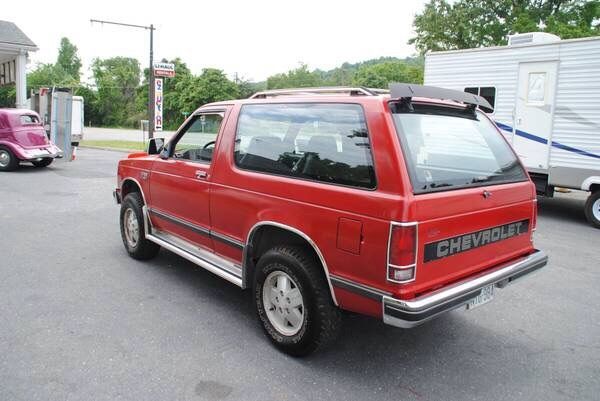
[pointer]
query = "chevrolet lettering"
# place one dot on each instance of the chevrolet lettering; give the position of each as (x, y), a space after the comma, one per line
(319, 200)
(451, 246)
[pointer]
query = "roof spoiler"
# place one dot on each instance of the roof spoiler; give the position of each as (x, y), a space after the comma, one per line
(408, 91)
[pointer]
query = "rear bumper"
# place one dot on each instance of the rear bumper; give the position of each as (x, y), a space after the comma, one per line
(411, 313)
(51, 151)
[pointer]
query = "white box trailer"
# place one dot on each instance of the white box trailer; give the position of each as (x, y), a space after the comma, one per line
(62, 115)
(546, 97)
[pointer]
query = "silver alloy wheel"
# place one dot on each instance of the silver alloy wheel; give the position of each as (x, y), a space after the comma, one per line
(596, 209)
(131, 228)
(4, 158)
(283, 303)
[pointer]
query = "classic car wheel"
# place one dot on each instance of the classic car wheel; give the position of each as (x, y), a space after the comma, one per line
(293, 302)
(45, 162)
(132, 229)
(8, 160)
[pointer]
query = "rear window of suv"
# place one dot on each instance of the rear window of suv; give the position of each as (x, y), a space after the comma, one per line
(314, 141)
(447, 148)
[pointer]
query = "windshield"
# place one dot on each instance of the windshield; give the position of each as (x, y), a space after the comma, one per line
(447, 148)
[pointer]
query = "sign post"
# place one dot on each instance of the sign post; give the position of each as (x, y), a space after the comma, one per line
(158, 104)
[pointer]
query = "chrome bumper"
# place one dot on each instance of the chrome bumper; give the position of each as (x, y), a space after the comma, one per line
(33, 155)
(411, 313)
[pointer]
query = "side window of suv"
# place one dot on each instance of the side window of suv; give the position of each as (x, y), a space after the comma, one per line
(198, 140)
(321, 142)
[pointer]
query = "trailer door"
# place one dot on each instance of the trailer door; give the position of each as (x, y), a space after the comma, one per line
(533, 114)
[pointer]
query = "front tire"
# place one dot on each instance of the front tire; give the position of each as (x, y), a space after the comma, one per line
(43, 163)
(132, 228)
(592, 209)
(8, 161)
(293, 301)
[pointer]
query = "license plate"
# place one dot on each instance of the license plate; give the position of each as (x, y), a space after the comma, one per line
(487, 294)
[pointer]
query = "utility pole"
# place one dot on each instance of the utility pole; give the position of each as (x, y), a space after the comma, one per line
(151, 110)
(151, 72)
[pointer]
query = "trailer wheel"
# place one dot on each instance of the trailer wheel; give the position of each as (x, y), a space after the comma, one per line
(592, 209)
(8, 161)
(45, 162)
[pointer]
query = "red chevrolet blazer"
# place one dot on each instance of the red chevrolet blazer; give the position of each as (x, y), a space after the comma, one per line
(400, 204)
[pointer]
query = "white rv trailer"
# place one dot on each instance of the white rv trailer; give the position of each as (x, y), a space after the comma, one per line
(546, 97)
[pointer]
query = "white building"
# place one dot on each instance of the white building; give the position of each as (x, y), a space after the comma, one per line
(14, 49)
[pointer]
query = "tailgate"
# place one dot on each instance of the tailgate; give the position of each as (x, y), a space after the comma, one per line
(463, 232)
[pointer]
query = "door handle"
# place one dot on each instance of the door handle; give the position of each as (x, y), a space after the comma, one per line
(201, 174)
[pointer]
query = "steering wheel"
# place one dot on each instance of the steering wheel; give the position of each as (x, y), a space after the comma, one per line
(302, 162)
(209, 144)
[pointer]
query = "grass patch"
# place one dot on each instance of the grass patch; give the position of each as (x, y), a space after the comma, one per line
(115, 144)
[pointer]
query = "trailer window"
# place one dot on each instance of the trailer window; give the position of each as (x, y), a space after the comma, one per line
(537, 87)
(486, 92)
(447, 149)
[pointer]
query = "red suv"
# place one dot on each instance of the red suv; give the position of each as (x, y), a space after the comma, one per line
(399, 205)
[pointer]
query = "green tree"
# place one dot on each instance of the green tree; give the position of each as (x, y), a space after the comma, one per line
(68, 59)
(474, 23)
(8, 95)
(117, 80)
(92, 114)
(381, 75)
(300, 77)
(49, 75)
(211, 86)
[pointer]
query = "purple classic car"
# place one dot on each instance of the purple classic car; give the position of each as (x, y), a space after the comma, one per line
(23, 138)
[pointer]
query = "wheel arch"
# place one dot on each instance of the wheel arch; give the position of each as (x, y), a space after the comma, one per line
(129, 185)
(591, 184)
(261, 237)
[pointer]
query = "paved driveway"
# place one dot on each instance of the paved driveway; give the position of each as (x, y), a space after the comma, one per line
(80, 320)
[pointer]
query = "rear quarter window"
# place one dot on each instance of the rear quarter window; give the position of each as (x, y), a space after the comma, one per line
(321, 142)
(28, 119)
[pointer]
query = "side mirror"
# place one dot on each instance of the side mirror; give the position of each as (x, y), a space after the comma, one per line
(155, 145)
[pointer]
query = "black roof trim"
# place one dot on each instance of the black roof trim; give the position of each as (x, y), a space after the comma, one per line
(399, 91)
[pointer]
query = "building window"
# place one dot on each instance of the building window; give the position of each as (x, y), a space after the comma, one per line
(486, 92)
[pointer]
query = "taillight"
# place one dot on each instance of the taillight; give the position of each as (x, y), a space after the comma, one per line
(402, 252)
(533, 218)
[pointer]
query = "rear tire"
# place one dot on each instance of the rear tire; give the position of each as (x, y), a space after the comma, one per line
(43, 163)
(592, 209)
(8, 161)
(293, 301)
(132, 229)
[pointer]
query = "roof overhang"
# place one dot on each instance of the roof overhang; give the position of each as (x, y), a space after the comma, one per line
(16, 48)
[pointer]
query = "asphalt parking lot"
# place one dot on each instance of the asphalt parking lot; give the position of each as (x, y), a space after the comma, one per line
(80, 320)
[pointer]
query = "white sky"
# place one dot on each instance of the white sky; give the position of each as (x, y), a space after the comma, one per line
(255, 38)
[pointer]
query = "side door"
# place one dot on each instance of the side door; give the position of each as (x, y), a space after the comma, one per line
(179, 180)
(534, 111)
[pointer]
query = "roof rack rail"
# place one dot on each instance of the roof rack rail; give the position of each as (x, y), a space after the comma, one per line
(331, 90)
(408, 91)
